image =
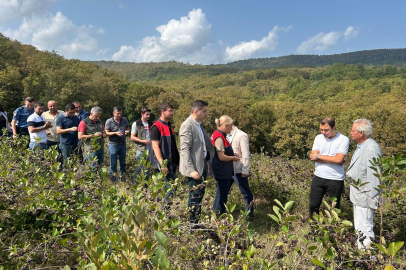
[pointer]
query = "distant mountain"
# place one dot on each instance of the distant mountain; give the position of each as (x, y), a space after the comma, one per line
(395, 57)
(175, 70)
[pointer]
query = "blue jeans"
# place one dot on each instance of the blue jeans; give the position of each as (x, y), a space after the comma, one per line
(242, 183)
(35, 146)
(117, 151)
(138, 169)
(99, 154)
(68, 150)
(222, 188)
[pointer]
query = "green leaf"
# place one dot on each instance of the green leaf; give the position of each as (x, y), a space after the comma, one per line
(394, 247)
(312, 248)
(161, 238)
(55, 232)
(278, 202)
(381, 248)
(319, 263)
(288, 206)
(289, 218)
(231, 208)
(346, 223)
(274, 218)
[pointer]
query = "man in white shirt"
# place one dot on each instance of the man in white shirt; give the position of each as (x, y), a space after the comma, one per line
(328, 152)
(37, 128)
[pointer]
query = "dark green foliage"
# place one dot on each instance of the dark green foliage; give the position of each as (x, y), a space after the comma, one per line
(25, 71)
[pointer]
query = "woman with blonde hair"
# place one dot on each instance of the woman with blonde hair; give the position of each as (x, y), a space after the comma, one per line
(222, 164)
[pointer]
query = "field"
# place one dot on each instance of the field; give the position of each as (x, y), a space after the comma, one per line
(53, 218)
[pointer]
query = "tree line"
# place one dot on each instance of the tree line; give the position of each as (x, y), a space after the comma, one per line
(279, 108)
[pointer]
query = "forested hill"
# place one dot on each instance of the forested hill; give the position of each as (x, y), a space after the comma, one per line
(394, 57)
(174, 70)
(279, 108)
(26, 71)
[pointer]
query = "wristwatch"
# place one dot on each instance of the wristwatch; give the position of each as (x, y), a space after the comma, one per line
(317, 157)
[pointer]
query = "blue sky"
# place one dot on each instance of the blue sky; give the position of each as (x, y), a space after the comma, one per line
(202, 31)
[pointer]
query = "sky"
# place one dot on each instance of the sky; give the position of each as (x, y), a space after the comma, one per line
(203, 32)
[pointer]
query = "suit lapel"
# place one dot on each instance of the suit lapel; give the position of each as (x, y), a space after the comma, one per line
(194, 125)
(359, 152)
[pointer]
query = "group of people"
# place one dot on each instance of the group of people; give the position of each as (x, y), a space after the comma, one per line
(225, 154)
(227, 150)
(328, 152)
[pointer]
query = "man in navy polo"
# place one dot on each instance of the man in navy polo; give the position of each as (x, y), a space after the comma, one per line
(20, 116)
(67, 125)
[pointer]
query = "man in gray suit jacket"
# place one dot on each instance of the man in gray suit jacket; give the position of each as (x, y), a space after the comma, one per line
(195, 150)
(365, 199)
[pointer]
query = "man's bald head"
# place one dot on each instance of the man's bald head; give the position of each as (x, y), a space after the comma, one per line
(52, 106)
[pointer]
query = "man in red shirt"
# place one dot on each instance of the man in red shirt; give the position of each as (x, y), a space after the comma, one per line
(89, 128)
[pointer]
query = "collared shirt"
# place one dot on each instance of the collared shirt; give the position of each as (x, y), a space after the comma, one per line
(359, 146)
(52, 136)
(65, 122)
(82, 115)
(230, 136)
(21, 115)
(113, 126)
(35, 120)
(202, 134)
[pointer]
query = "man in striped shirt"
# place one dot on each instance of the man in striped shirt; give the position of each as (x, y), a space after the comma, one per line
(37, 128)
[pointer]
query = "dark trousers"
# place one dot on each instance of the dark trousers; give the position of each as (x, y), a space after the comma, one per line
(170, 177)
(220, 200)
(319, 188)
(243, 185)
(67, 151)
(197, 188)
(50, 144)
(22, 131)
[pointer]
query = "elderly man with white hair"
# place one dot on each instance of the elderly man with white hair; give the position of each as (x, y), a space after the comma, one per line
(365, 199)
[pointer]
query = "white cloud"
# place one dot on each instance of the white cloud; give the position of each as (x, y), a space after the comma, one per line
(58, 33)
(187, 40)
(245, 50)
(12, 9)
(102, 52)
(351, 32)
(322, 42)
(179, 38)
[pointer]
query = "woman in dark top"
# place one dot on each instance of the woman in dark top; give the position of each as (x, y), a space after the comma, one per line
(222, 163)
(3, 121)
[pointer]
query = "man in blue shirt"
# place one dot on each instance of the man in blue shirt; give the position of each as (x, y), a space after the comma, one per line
(20, 116)
(67, 125)
(81, 114)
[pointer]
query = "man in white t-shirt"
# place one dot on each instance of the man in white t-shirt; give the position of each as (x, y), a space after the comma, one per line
(140, 135)
(38, 128)
(328, 152)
